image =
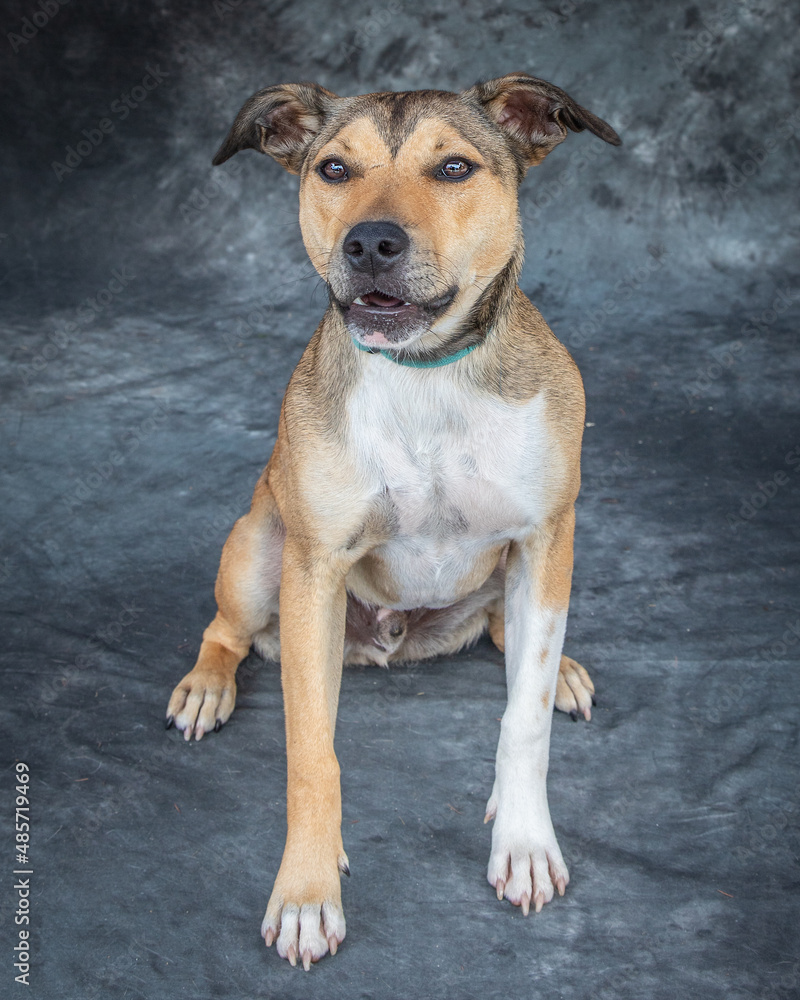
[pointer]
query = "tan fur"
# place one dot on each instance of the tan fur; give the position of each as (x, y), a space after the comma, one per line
(317, 528)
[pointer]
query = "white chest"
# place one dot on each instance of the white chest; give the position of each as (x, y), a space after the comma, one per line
(460, 468)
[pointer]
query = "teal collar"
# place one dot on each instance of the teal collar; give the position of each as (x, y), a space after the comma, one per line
(447, 360)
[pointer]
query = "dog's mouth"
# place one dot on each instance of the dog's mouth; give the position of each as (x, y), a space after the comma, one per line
(380, 302)
(380, 319)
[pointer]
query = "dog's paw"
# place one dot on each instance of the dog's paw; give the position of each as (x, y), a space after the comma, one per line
(202, 702)
(304, 916)
(574, 690)
(525, 867)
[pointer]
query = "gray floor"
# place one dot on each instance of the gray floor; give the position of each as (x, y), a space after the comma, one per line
(132, 440)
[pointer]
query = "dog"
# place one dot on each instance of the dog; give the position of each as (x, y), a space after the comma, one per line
(427, 462)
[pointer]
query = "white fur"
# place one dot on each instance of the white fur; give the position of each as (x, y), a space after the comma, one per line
(525, 854)
(465, 472)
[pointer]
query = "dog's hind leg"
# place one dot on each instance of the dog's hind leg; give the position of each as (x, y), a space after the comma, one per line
(574, 690)
(247, 592)
(497, 625)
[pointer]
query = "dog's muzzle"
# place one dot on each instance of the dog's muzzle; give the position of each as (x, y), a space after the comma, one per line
(382, 307)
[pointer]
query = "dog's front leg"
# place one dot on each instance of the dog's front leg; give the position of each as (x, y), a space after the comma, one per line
(304, 913)
(526, 863)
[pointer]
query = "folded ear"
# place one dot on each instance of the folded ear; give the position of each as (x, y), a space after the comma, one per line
(280, 121)
(535, 115)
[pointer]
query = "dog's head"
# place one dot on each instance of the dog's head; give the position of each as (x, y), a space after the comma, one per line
(408, 201)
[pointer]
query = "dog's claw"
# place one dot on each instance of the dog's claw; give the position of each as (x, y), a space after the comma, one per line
(333, 944)
(306, 960)
(170, 722)
(291, 954)
(574, 715)
(202, 702)
(344, 867)
(269, 937)
(500, 888)
(525, 902)
(561, 886)
(594, 700)
(538, 901)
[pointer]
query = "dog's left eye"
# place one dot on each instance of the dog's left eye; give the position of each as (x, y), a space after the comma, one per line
(454, 170)
(333, 170)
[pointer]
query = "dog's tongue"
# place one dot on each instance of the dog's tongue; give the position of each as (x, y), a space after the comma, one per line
(381, 300)
(377, 339)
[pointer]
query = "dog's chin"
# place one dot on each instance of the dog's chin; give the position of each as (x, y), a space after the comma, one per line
(382, 321)
(393, 327)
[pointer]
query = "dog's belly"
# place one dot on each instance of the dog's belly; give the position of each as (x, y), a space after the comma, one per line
(457, 476)
(415, 573)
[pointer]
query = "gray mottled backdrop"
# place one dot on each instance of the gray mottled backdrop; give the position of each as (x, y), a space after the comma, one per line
(154, 308)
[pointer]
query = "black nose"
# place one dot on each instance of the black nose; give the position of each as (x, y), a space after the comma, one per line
(375, 246)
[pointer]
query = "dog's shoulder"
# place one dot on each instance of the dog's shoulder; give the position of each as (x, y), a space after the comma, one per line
(525, 358)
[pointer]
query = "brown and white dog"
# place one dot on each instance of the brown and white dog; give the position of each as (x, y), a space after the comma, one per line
(426, 465)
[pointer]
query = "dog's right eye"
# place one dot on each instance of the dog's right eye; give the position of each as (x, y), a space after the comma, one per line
(333, 170)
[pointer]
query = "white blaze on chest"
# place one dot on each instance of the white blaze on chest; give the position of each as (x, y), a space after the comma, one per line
(464, 471)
